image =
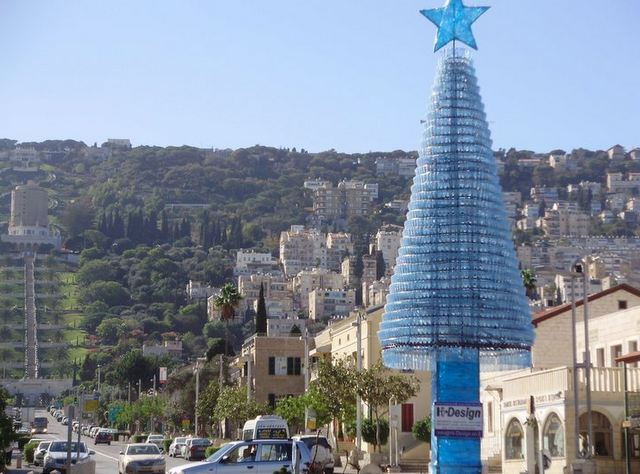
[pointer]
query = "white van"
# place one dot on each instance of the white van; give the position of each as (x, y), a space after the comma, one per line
(266, 427)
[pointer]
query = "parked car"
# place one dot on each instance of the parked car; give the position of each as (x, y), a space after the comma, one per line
(141, 458)
(103, 437)
(195, 448)
(175, 448)
(56, 456)
(38, 454)
(320, 449)
(156, 439)
(264, 456)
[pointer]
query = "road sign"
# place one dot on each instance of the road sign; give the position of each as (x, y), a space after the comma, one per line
(113, 412)
(91, 402)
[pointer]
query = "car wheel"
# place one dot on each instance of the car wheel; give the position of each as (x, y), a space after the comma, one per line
(328, 470)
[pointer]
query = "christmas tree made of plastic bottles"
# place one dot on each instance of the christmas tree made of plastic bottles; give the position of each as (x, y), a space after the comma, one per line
(456, 303)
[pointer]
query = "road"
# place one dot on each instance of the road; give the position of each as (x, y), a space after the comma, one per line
(106, 457)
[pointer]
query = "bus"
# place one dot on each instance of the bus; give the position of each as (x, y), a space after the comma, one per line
(40, 424)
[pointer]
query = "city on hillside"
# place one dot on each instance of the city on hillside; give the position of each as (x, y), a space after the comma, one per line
(193, 275)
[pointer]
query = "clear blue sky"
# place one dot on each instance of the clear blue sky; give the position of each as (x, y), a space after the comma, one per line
(353, 75)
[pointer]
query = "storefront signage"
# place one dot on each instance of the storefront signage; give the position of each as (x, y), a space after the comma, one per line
(458, 420)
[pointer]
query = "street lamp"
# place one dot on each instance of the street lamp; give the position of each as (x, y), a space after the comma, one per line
(358, 325)
(98, 378)
(197, 371)
(579, 270)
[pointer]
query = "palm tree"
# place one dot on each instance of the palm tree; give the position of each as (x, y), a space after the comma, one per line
(227, 301)
(529, 282)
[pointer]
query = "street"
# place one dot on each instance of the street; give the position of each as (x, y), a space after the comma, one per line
(106, 457)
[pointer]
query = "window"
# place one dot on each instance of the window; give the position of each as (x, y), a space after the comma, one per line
(622, 304)
(514, 440)
(602, 434)
(600, 357)
(406, 417)
(633, 347)
(272, 400)
(553, 436)
(616, 351)
(285, 366)
(634, 444)
(275, 452)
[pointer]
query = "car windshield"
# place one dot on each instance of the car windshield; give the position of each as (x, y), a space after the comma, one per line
(179, 440)
(61, 446)
(143, 450)
(215, 457)
(44, 445)
(200, 442)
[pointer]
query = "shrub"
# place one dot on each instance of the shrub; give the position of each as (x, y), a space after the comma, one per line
(369, 431)
(22, 440)
(422, 430)
(166, 443)
(28, 451)
(139, 438)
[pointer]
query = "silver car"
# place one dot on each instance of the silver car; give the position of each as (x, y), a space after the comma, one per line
(264, 456)
(55, 459)
(141, 458)
(38, 454)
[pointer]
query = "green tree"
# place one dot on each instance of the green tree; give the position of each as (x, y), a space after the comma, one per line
(381, 266)
(95, 270)
(529, 282)
(227, 302)
(7, 435)
(78, 216)
(234, 406)
(376, 386)
(207, 402)
(110, 292)
(261, 314)
(422, 430)
(331, 388)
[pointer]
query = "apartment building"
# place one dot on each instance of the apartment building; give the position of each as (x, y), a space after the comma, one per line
(272, 368)
(328, 304)
(349, 198)
(339, 245)
(308, 280)
(250, 261)
(563, 222)
(278, 293)
(24, 159)
(369, 270)
(388, 242)
(302, 249)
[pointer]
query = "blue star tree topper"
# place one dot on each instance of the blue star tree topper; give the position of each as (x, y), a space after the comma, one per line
(454, 23)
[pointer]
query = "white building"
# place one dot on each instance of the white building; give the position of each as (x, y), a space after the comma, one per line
(250, 261)
(388, 242)
(530, 408)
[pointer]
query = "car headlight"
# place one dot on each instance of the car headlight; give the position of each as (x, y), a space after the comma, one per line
(159, 462)
(49, 460)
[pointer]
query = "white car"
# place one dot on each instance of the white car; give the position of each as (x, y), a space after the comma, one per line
(56, 456)
(141, 458)
(156, 439)
(320, 449)
(38, 454)
(175, 448)
(264, 456)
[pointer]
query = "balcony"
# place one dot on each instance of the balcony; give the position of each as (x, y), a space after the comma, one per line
(604, 380)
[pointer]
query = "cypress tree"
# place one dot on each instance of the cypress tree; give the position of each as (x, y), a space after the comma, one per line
(381, 266)
(261, 314)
